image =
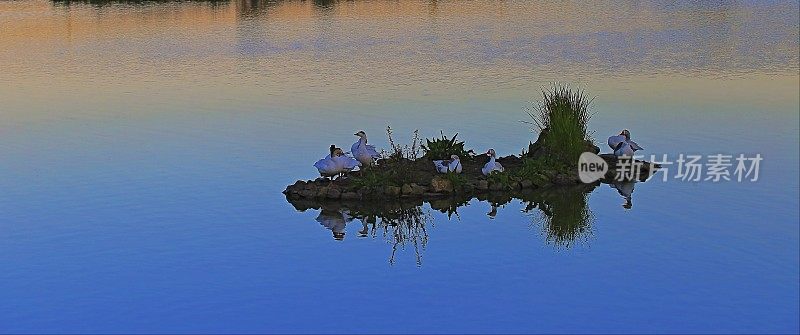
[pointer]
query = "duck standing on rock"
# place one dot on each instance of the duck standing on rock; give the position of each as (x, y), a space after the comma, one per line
(327, 167)
(624, 149)
(622, 144)
(492, 165)
(335, 163)
(445, 166)
(364, 153)
(343, 162)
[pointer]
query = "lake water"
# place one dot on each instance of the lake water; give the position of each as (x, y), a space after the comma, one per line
(144, 147)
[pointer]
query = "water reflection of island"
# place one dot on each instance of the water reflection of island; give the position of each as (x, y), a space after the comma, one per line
(401, 223)
(562, 214)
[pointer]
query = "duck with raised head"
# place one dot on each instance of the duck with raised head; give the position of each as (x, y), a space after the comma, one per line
(363, 152)
(492, 165)
(451, 165)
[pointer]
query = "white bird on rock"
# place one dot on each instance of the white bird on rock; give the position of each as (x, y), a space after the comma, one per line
(623, 149)
(445, 166)
(343, 162)
(622, 143)
(364, 153)
(492, 165)
(335, 163)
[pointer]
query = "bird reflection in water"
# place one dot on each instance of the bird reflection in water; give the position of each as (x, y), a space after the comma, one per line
(492, 213)
(625, 189)
(335, 220)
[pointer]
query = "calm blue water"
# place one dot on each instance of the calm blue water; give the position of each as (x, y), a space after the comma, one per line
(144, 148)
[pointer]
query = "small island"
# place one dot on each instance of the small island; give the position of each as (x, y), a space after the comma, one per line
(550, 161)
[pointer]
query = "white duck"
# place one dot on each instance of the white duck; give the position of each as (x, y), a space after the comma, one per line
(343, 162)
(335, 163)
(623, 149)
(364, 153)
(492, 165)
(624, 136)
(327, 167)
(445, 166)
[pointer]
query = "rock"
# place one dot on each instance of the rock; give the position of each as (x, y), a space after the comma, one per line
(392, 191)
(482, 185)
(540, 180)
(307, 193)
(526, 183)
(563, 179)
(364, 192)
(496, 186)
(441, 185)
(469, 187)
(333, 193)
(413, 189)
(350, 196)
(296, 187)
(509, 161)
(424, 178)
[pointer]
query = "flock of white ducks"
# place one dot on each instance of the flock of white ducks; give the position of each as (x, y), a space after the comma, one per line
(363, 154)
(338, 162)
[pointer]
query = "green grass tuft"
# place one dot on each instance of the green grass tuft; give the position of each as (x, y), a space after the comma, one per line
(562, 116)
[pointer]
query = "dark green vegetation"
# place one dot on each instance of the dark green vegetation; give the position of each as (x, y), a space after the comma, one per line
(443, 148)
(561, 119)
